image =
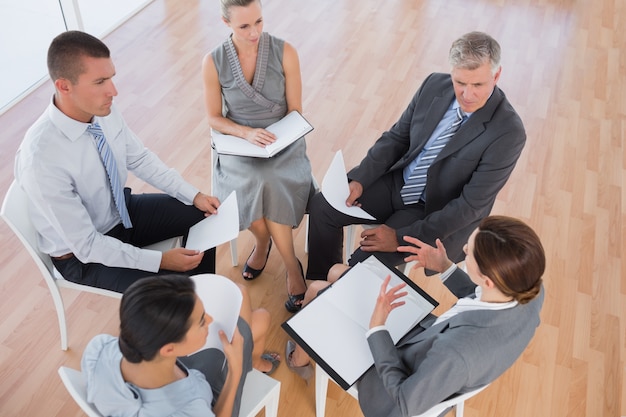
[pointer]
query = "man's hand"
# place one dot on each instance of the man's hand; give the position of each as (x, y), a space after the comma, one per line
(386, 302)
(379, 239)
(356, 190)
(206, 203)
(181, 259)
(425, 255)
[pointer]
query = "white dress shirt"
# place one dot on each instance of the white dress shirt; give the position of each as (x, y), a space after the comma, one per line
(59, 167)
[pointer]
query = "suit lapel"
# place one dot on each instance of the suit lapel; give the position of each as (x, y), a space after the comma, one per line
(473, 127)
(433, 116)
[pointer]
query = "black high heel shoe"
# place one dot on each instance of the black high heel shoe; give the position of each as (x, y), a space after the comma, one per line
(294, 301)
(255, 272)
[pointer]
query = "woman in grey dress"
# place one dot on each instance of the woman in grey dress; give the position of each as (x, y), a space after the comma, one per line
(251, 81)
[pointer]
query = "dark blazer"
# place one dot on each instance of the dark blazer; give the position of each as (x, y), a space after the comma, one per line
(466, 352)
(466, 176)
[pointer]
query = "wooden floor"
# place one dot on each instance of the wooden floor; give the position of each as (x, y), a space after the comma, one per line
(564, 70)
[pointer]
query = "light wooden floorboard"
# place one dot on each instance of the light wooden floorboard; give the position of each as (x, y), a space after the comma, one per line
(564, 70)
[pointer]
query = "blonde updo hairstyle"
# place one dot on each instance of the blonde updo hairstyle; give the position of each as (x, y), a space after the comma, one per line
(225, 6)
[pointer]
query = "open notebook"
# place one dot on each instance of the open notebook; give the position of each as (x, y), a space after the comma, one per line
(287, 130)
(332, 327)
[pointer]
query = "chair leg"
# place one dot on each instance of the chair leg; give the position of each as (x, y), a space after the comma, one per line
(321, 390)
(459, 409)
(349, 242)
(271, 407)
(58, 305)
(233, 252)
(306, 234)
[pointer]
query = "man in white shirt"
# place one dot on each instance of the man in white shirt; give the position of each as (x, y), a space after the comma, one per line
(91, 227)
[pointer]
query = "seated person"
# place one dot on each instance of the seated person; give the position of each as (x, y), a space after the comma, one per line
(468, 346)
(251, 80)
(436, 172)
(73, 164)
(146, 370)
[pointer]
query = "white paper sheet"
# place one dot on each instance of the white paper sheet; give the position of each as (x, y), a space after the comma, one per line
(217, 228)
(335, 189)
(222, 301)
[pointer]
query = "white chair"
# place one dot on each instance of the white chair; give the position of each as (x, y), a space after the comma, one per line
(259, 391)
(14, 211)
(321, 388)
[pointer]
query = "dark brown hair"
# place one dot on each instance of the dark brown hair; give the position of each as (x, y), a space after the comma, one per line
(510, 253)
(67, 49)
(155, 311)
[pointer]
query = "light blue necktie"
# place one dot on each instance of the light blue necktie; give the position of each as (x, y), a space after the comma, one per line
(108, 159)
(413, 188)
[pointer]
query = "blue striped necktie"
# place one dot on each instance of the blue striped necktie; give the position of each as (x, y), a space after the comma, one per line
(413, 188)
(108, 159)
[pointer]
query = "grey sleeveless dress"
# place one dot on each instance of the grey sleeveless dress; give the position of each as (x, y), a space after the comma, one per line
(277, 188)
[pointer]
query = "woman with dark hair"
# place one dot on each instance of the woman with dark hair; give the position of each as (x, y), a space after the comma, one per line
(147, 370)
(471, 344)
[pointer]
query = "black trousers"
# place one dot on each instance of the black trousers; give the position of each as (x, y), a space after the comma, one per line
(155, 217)
(382, 200)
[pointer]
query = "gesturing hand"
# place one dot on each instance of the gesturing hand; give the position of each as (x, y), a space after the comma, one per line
(435, 259)
(386, 302)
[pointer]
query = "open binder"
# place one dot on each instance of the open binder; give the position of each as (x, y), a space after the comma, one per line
(287, 130)
(332, 327)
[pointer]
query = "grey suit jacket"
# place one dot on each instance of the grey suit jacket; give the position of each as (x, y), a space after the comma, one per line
(466, 176)
(429, 365)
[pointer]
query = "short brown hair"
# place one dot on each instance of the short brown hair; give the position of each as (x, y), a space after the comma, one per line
(66, 50)
(510, 253)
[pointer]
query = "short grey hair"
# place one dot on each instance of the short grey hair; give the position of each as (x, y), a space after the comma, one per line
(225, 6)
(471, 51)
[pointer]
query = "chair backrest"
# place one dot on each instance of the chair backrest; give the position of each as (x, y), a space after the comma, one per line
(15, 213)
(222, 300)
(75, 384)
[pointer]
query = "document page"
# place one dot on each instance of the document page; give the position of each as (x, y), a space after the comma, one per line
(222, 301)
(335, 338)
(217, 228)
(332, 327)
(287, 130)
(335, 189)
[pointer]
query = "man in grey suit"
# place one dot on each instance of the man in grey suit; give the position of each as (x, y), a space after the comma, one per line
(463, 135)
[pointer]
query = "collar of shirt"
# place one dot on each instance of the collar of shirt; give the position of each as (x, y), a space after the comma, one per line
(472, 304)
(72, 129)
